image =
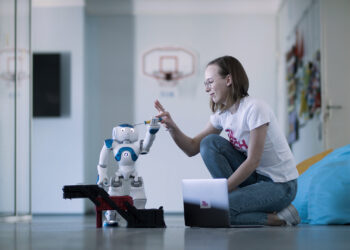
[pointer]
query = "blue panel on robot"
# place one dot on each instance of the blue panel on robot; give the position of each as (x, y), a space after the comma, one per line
(132, 152)
(125, 125)
(109, 143)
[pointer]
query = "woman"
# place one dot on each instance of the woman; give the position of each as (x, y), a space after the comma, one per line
(256, 160)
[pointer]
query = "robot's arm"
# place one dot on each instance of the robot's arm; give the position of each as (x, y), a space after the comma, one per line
(103, 163)
(152, 129)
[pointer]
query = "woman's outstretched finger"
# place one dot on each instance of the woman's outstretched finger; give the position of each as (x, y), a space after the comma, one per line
(159, 106)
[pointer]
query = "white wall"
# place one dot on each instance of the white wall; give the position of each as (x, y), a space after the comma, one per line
(249, 37)
(58, 143)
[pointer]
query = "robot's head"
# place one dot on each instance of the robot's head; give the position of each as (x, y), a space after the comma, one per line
(125, 132)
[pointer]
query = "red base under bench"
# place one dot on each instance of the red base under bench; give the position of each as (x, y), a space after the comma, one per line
(118, 200)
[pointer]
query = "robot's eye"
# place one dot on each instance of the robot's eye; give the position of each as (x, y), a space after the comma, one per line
(132, 130)
(123, 129)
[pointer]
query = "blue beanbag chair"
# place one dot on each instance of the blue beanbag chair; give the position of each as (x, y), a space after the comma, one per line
(323, 195)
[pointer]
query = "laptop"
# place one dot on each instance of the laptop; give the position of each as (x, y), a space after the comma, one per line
(206, 203)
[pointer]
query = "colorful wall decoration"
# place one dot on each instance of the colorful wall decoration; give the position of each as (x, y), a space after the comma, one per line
(304, 86)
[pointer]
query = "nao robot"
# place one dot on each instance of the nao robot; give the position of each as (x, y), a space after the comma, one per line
(126, 149)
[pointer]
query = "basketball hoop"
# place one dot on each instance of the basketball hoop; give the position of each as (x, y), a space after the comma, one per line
(7, 70)
(168, 65)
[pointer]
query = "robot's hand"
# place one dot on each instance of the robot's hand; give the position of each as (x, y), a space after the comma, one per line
(153, 126)
(103, 179)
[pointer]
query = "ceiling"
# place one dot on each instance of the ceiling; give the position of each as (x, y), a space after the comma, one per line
(168, 6)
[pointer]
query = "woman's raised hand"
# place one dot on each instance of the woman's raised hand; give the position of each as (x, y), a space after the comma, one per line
(165, 115)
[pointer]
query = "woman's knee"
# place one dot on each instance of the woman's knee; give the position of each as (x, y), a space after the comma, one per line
(208, 142)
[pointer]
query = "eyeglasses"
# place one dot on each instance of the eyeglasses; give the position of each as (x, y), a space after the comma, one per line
(209, 83)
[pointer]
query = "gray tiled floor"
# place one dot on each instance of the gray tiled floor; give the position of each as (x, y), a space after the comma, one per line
(79, 232)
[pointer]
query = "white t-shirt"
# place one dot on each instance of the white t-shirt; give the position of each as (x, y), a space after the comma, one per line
(277, 161)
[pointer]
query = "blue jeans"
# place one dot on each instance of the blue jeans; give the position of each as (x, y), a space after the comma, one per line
(257, 196)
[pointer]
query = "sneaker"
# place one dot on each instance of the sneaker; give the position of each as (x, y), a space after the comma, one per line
(289, 215)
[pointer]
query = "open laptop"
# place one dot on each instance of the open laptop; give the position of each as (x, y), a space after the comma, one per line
(206, 203)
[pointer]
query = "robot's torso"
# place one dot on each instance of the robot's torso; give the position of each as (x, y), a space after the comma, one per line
(125, 154)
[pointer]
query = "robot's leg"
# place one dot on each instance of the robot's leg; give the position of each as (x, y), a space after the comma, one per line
(137, 192)
(115, 189)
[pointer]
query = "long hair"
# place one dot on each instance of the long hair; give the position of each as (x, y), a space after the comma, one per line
(229, 65)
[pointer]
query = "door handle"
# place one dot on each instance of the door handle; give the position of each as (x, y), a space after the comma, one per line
(334, 107)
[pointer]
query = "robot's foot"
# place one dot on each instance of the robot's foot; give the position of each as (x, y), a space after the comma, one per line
(110, 223)
(113, 219)
(111, 215)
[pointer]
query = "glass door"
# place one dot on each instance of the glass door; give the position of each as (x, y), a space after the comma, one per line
(23, 111)
(7, 107)
(15, 107)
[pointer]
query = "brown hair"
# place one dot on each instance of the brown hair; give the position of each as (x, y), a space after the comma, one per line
(229, 65)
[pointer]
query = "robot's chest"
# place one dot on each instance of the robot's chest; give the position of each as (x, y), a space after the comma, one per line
(126, 152)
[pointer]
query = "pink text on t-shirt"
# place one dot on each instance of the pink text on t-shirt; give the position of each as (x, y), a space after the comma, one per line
(236, 143)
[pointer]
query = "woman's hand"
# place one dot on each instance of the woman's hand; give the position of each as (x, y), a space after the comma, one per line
(167, 121)
(187, 144)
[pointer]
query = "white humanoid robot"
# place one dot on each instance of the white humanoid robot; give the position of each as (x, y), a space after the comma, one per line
(126, 148)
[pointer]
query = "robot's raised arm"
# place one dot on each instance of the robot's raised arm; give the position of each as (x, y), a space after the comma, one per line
(152, 129)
